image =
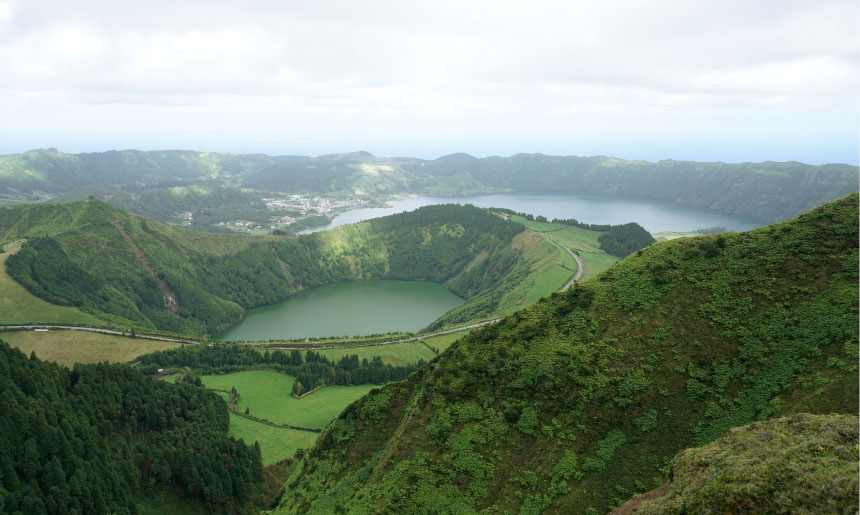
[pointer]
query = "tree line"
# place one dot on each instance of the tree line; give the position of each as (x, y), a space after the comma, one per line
(311, 370)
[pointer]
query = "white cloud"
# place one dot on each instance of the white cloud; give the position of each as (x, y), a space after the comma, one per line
(397, 71)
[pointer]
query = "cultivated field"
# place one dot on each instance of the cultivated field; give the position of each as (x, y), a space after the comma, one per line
(442, 342)
(18, 306)
(394, 354)
(267, 394)
(276, 443)
(68, 347)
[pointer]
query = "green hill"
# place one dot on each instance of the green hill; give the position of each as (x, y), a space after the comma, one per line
(135, 271)
(580, 401)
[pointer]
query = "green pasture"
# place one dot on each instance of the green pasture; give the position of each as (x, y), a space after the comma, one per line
(395, 354)
(67, 346)
(276, 443)
(442, 342)
(268, 395)
(581, 241)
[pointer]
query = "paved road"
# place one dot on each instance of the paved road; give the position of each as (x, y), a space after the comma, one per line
(97, 330)
(578, 274)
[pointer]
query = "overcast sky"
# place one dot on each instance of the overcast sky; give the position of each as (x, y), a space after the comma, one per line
(727, 80)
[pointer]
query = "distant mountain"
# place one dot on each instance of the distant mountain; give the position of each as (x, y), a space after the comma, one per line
(768, 191)
(580, 401)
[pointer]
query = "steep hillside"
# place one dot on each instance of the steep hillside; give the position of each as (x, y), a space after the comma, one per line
(580, 401)
(799, 464)
(139, 272)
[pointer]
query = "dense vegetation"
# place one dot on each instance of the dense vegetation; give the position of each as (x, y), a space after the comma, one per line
(582, 400)
(312, 371)
(98, 438)
(768, 191)
(141, 273)
(799, 464)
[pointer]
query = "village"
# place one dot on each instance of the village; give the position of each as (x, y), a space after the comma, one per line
(305, 205)
(295, 205)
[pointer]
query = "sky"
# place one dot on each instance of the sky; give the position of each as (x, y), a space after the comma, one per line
(726, 80)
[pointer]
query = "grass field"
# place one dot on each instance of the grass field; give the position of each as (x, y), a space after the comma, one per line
(393, 354)
(671, 235)
(547, 274)
(276, 443)
(267, 394)
(583, 241)
(18, 306)
(440, 343)
(68, 347)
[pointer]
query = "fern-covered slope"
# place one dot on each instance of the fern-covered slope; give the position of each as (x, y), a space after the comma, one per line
(578, 402)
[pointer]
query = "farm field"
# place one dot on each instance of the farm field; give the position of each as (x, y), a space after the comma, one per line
(267, 394)
(394, 354)
(18, 306)
(67, 347)
(276, 443)
(442, 342)
(548, 273)
(583, 241)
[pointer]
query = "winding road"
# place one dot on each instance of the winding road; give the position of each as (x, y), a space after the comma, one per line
(578, 274)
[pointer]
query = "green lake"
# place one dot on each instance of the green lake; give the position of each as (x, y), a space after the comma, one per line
(347, 309)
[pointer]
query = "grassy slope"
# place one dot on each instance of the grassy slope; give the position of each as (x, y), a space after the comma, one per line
(583, 399)
(442, 342)
(68, 347)
(18, 306)
(799, 464)
(581, 241)
(268, 396)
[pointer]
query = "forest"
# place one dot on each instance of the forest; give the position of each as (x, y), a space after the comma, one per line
(98, 438)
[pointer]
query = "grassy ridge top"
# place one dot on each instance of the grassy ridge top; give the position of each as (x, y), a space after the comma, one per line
(135, 271)
(799, 464)
(581, 400)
